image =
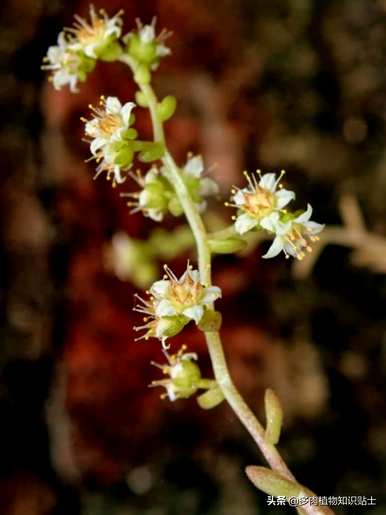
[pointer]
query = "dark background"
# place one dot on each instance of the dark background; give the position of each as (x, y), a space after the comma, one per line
(295, 84)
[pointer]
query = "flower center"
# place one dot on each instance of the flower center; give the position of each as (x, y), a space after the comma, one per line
(109, 123)
(91, 33)
(259, 202)
(300, 239)
(186, 293)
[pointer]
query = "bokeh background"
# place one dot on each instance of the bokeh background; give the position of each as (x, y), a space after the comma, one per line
(294, 84)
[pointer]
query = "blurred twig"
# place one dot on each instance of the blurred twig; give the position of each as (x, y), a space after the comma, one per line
(369, 248)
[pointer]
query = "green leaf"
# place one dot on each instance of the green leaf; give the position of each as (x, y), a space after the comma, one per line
(167, 107)
(211, 398)
(274, 417)
(273, 483)
(227, 245)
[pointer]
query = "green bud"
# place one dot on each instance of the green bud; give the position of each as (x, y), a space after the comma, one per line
(152, 152)
(153, 196)
(124, 155)
(144, 53)
(227, 245)
(274, 416)
(142, 75)
(185, 378)
(273, 483)
(166, 108)
(130, 133)
(211, 398)
(175, 207)
(110, 51)
(141, 100)
(210, 321)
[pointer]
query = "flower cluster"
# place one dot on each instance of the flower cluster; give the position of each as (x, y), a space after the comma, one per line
(78, 47)
(261, 206)
(145, 47)
(157, 196)
(173, 302)
(111, 137)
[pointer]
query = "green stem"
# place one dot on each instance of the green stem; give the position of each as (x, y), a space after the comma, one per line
(213, 340)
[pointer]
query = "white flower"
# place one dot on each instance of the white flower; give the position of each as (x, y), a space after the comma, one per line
(198, 186)
(95, 36)
(173, 302)
(66, 65)
(184, 296)
(145, 46)
(294, 236)
(258, 200)
(109, 124)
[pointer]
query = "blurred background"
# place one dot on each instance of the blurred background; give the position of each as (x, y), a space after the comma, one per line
(294, 84)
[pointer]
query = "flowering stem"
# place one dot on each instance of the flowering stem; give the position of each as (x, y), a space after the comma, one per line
(213, 340)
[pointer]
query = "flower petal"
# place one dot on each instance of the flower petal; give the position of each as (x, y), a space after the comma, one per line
(165, 309)
(268, 182)
(314, 227)
(194, 313)
(126, 112)
(245, 223)
(160, 288)
(239, 198)
(96, 144)
(304, 217)
(194, 166)
(270, 222)
(211, 294)
(283, 197)
(113, 105)
(274, 249)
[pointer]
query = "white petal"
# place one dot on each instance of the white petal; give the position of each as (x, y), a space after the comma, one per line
(155, 215)
(96, 144)
(194, 166)
(113, 105)
(91, 128)
(160, 288)
(270, 222)
(117, 175)
(165, 309)
(162, 50)
(314, 227)
(211, 294)
(147, 34)
(208, 187)
(239, 198)
(245, 223)
(268, 182)
(194, 275)
(274, 249)
(304, 217)
(283, 197)
(194, 313)
(126, 112)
